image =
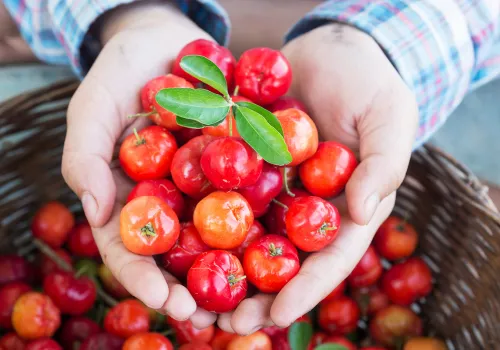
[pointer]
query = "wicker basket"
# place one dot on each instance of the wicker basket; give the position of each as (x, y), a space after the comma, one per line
(457, 221)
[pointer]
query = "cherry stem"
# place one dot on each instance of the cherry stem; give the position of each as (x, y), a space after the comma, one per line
(233, 280)
(285, 182)
(141, 115)
(81, 271)
(167, 332)
(236, 90)
(277, 202)
(148, 230)
(230, 124)
(401, 226)
(275, 251)
(139, 140)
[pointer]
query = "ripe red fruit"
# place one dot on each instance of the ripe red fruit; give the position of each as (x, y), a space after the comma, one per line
(15, 268)
(81, 241)
(184, 135)
(255, 232)
(216, 281)
(275, 217)
(223, 128)
(286, 102)
(35, 316)
(48, 266)
(43, 344)
(179, 259)
(52, 223)
(163, 189)
(336, 293)
(326, 173)
(312, 223)
(263, 75)
(300, 133)
(408, 281)
(270, 262)
(395, 239)
(9, 294)
(73, 296)
(370, 300)
(368, 270)
(255, 341)
(186, 168)
(159, 115)
(127, 318)
(221, 339)
(339, 316)
(223, 219)
(185, 332)
(393, 324)
(195, 346)
(150, 341)
(148, 226)
(425, 343)
(103, 341)
(316, 340)
(110, 283)
(339, 340)
(230, 163)
(12, 341)
(75, 330)
(147, 154)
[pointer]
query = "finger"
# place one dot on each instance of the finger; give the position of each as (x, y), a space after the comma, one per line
(224, 322)
(322, 271)
(202, 318)
(180, 305)
(252, 314)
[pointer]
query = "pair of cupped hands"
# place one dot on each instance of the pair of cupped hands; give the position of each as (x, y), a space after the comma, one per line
(354, 95)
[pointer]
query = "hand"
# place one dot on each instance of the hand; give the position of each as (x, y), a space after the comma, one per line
(356, 97)
(13, 48)
(140, 42)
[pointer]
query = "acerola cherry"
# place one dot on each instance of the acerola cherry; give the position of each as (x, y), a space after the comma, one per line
(110, 283)
(326, 173)
(336, 293)
(148, 226)
(263, 75)
(102, 341)
(48, 266)
(217, 281)
(147, 154)
(339, 316)
(316, 340)
(12, 341)
(339, 340)
(370, 300)
(179, 259)
(221, 339)
(127, 318)
(186, 168)
(195, 346)
(15, 268)
(52, 223)
(35, 316)
(43, 344)
(223, 128)
(300, 133)
(230, 163)
(184, 135)
(312, 223)
(185, 332)
(395, 239)
(81, 241)
(9, 294)
(408, 281)
(73, 296)
(425, 343)
(163, 189)
(255, 341)
(223, 219)
(286, 102)
(270, 262)
(150, 341)
(191, 204)
(275, 217)
(393, 324)
(367, 271)
(76, 330)
(256, 231)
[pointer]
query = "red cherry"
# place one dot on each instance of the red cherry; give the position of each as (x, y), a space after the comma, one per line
(263, 75)
(394, 323)
(102, 341)
(110, 283)
(81, 241)
(270, 262)
(15, 268)
(186, 168)
(75, 330)
(163, 189)
(147, 154)
(326, 173)
(148, 226)
(275, 217)
(339, 340)
(149, 341)
(184, 135)
(395, 239)
(43, 344)
(223, 128)
(408, 281)
(221, 339)
(52, 224)
(370, 300)
(12, 341)
(185, 332)
(286, 102)
(336, 293)
(48, 266)
(195, 346)
(9, 294)
(127, 318)
(339, 316)
(255, 232)
(368, 270)
(216, 281)
(230, 163)
(179, 259)
(255, 341)
(316, 340)
(191, 204)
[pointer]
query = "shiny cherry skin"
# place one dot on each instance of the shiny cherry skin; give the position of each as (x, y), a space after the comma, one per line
(150, 341)
(159, 115)
(368, 270)
(48, 266)
(102, 341)
(110, 283)
(9, 294)
(394, 323)
(52, 224)
(286, 102)
(223, 128)
(339, 316)
(395, 239)
(312, 223)
(148, 154)
(223, 219)
(185, 332)
(339, 340)
(336, 293)
(216, 281)
(230, 163)
(12, 341)
(326, 173)
(73, 296)
(43, 344)
(81, 241)
(263, 75)
(275, 217)
(370, 299)
(256, 231)
(300, 133)
(148, 226)
(186, 168)
(270, 262)
(163, 189)
(255, 341)
(184, 135)
(268, 186)
(75, 330)
(35, 316)
(127, 318)
(15, 268)
(408, 281)
(221, 339)
(425, 343)
(219, 55)
(195, 346)
(179, 259)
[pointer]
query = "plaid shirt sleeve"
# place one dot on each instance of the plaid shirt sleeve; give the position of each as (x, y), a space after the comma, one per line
(57, 30)
(442, 48)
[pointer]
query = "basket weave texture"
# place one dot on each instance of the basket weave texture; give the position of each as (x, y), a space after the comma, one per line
(458, 224)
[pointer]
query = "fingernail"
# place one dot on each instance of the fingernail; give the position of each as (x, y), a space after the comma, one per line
(89, 207)
(371, 204)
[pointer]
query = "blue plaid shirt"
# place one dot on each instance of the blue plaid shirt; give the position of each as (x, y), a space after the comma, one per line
(442, 48)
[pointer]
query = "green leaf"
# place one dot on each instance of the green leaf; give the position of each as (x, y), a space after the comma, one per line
(330, 347)
(299, 335)
(261, 136)
(206, 71)
(200, 105)
(271, 118)
(193, 124)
